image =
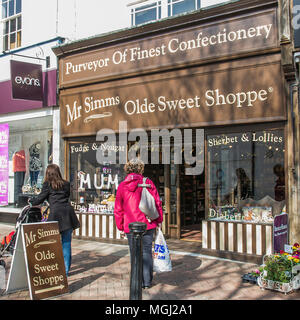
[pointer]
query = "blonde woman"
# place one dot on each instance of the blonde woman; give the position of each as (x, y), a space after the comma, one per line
(127, 210)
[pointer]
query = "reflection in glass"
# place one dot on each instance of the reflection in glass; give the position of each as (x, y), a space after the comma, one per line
(246, 170)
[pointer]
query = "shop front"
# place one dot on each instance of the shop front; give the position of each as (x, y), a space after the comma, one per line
(27, 101)
(203, 104)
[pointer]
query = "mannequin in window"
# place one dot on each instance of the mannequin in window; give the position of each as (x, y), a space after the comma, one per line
(35, 163)
(19, 169)
(279, 189)
(243, 188)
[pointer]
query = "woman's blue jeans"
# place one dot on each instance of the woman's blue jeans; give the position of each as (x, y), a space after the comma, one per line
(147, 255)
(66, 237)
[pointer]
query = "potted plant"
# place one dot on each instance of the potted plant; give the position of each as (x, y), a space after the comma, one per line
(279, 271)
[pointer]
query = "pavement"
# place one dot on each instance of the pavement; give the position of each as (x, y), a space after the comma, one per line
(101, 271)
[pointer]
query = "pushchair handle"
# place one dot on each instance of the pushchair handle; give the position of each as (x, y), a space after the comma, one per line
(29, 203)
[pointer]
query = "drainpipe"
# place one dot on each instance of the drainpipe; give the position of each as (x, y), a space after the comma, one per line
(294, 87)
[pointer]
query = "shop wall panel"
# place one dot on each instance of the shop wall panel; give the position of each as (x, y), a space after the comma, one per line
(230, 236)
(103, 235)
(241, 238)
(258, 240)
(97, 233)
(204, 235)
(213, 235)
(97, 226)
(90, 224)
(83, 226)
(222, 236)
(269, 244)
(249, 238)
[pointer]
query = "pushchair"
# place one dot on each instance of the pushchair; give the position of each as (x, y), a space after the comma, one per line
(29, 214)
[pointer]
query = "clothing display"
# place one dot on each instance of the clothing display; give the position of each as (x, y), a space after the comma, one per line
(35, 163)
(18, 184)
(18, 161)
(19, 169)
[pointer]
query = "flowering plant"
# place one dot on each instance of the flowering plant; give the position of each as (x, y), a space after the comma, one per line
(256, 273)
(278, 267)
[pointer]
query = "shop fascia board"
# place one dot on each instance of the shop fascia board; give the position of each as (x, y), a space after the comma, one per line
(204, 15)
(27, 115)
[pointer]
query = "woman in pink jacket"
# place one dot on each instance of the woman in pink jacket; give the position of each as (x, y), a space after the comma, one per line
(127, 210)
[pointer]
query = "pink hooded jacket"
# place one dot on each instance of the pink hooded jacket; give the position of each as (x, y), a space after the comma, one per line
(127, 203)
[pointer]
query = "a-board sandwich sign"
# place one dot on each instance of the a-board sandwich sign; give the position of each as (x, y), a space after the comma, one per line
(38, 262)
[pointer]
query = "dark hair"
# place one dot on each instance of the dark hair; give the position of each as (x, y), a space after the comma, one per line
(53, 177)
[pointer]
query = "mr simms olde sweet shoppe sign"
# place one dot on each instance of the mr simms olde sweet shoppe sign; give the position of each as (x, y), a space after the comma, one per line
(233, 92)
(236, 91)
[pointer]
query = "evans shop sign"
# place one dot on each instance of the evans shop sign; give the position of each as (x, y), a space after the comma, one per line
(26, 80)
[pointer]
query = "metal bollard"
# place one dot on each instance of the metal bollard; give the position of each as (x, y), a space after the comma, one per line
(137, 229)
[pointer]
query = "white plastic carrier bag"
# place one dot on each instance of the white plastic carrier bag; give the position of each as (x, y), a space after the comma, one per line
(147, 202)
(161, 256)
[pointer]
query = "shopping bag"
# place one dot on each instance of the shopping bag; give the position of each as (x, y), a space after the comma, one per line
(147, 202)
(161, 256)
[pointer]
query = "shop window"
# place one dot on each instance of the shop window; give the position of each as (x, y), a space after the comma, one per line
(146, 13)
(93, 185)
(29, 155)
(246, 179)
(181, 6)
(12, 24)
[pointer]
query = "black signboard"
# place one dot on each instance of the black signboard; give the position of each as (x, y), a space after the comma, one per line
(26, 80)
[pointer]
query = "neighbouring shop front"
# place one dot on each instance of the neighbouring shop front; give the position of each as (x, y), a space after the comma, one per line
(26, 113)
(203, 104)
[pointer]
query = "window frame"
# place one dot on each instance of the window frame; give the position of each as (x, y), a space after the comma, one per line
(154, 5)
(171, 4)
(11, 39)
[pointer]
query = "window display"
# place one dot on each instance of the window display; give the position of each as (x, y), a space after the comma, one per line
(35, 164)
(19, 169)
(93, 185)
(246, 179)
(28, 158)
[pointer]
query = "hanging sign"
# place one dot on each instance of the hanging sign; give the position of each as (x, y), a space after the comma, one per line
(38, 262)
(280, 232)
(26, 80)
(4, 136)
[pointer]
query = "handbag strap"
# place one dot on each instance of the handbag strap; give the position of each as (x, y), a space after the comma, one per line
(144, 184)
